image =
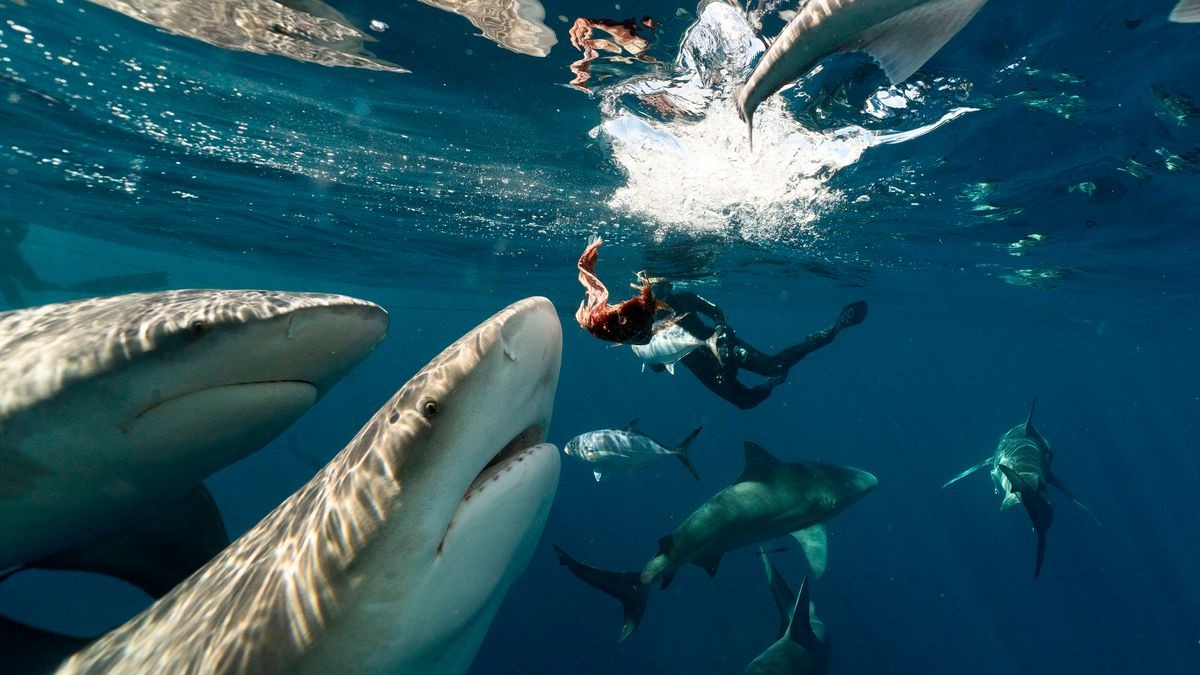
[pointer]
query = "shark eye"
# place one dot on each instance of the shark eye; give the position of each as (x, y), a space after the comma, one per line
(199, 328)
(429, 407)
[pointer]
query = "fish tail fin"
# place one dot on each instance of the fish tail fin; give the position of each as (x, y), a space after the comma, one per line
(626, 587)
(714, 344)
(681, 451)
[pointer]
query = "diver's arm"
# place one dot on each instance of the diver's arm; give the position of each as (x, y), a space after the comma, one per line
(686, 301)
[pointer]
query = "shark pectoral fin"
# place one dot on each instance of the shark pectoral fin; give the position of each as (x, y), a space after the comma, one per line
(1053, 480)
(32, 650)
(626, 587)
(968, 472)
(1187, 11)
(710, 565)
(903, 43)
(813, 541)
(154, 556)
(759, 466)
(670, 368)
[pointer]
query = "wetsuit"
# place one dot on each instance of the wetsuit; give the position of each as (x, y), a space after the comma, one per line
(721, 377)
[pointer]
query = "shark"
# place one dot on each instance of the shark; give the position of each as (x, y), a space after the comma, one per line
(396, 556)
(769, 499)
(901, 35)
(1187, 11)
(113, 409)
(1020, 468)
(803, 645)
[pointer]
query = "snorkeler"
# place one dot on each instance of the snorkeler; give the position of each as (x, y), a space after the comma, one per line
(721, 375)
(16, 273)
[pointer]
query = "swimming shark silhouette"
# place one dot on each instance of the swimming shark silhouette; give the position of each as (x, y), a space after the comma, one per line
(901, 35)
(802, 647)
(769, 499)
(1020, 469)
(397, 554)
(112, 409)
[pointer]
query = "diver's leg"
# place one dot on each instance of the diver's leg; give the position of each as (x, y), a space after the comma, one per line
(721, 379)
(778, 364)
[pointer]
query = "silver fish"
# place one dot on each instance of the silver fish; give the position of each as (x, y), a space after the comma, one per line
(669, 345)
(626, 450)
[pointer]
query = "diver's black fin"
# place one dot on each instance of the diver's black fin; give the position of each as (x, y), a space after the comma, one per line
(154, 556)
(1040, 511)
(33, 651)
(626, 587)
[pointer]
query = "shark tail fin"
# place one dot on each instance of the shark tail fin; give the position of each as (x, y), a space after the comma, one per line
(1040, 511)
(966, 473)
(1187, 11)
(626, 587)
(681, 451)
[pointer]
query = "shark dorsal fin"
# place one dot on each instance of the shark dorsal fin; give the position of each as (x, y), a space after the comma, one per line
(800, 628)
(760, 464)
(779, 591)
(633, 425)
(1029, 430)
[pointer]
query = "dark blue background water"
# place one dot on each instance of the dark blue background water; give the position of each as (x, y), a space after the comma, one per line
(447, 193)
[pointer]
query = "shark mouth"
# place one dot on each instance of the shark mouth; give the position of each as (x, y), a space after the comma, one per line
(514, 451)
(216, 388)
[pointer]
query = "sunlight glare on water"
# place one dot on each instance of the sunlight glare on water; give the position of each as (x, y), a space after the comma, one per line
(688, 164)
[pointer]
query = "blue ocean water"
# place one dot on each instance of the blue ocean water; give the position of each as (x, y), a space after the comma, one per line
(1021, 216)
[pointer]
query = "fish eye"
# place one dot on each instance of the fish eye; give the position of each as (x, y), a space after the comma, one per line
(199, 328)
(429, 407)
